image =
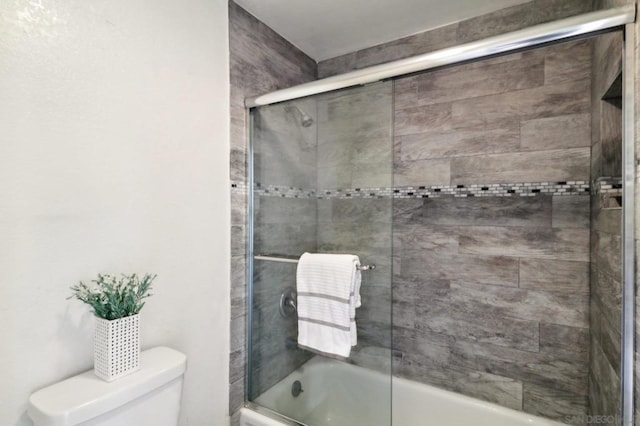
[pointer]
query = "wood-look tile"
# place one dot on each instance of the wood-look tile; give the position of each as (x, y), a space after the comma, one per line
(456, 138)
(611, 139)
(412, 340)
(564, 131)
(423, 42)
(421, 237)
(238, 286)
(567, 62)
(238, 165)
(557, 308)
(607, 220)
(374, 333)
(571, 212)
(541, 243)
(272, 210)
(407, 210)
(338, 65)
(353, 236)
(483, 385)
(238, 240)
(285, 170)
(427, 344)
(238, 208)
(360, 210)
(611, 343)
(536, 166)
(553, 371)
(236, 395)
(285, 239)
(237, 361)
(555, 275)
(448, 317)
(355, 102)
(376, 304)
(606, 314)
(545, 101)
(375, 358)
(489, 387)
(608, 261)
(405, 92)
(334, 177)
(596, 160)
(479, 211)
(607, 60)
(554, 337)
(478, 79)
(607, 380)
(501, 271)
(344, 142)
(377, 174)
(237, 329)
(422, 172)
(416, 120)
(548, 10)
(552, 403)
(499, 22)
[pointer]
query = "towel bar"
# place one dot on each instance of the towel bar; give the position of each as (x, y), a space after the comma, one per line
(291, 260)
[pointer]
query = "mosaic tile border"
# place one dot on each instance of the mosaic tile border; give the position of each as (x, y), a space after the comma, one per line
(608, 185)
(239, 187)
(524, 189)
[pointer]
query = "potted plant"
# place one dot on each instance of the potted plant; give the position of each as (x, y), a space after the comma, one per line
(116, 304)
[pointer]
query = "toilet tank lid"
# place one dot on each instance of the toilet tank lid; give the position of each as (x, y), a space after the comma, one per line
(85, 396)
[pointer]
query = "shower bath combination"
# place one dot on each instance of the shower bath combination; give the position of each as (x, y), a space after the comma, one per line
(499, 270)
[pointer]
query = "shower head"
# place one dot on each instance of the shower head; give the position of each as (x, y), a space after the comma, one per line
(305, 119)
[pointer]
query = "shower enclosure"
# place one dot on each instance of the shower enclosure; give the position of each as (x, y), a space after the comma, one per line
(494, 197)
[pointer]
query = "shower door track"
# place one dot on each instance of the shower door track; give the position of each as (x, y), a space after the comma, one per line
(527, 38)
(585, 25)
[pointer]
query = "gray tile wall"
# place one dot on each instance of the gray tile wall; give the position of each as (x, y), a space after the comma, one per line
(260, 61)
(505, 20)
(606, 276)
(491, 295)
(601, 4)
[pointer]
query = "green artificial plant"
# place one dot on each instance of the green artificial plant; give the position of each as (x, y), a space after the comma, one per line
(112, 297)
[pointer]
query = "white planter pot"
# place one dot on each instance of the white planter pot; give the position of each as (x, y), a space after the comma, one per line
(116, 347)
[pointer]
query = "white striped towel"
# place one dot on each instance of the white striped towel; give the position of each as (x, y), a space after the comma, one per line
(328, 287)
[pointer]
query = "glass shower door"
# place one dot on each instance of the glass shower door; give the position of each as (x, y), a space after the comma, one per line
(322, 177)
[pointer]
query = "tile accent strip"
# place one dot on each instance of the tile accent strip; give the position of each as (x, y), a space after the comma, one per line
(524, 189)
(239, 187)
(608, 185)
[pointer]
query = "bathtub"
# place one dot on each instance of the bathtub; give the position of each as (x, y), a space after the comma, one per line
(335, 393)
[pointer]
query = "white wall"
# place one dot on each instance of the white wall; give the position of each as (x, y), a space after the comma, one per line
(113, 158)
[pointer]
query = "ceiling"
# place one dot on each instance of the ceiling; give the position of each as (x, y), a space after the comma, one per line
(325, 29)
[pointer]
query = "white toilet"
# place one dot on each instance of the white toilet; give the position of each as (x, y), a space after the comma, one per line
(148, 397)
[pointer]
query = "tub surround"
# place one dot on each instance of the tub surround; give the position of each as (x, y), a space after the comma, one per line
(529, 359)
(606, 275)
(490, 293)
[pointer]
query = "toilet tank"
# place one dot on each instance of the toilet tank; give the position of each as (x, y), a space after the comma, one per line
(150, 396)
